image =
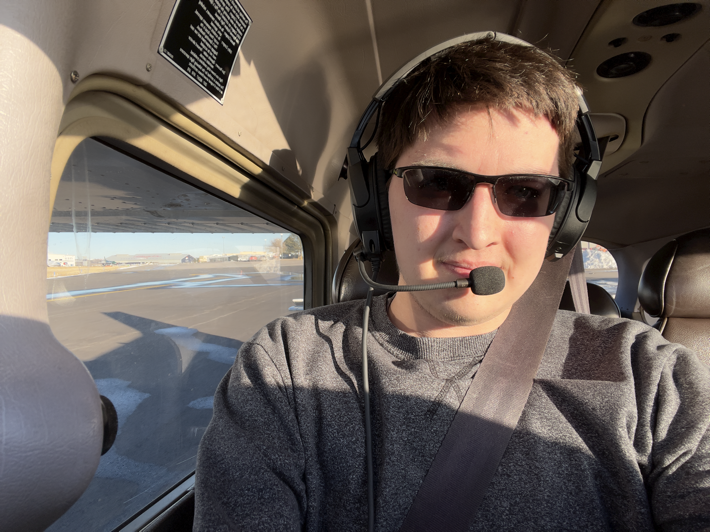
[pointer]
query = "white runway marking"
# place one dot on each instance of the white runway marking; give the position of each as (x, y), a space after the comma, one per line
(200, 281)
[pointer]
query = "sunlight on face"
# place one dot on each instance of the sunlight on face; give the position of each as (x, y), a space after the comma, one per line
(437, 246)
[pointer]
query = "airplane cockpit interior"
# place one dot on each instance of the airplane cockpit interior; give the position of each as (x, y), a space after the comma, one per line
(173, 179)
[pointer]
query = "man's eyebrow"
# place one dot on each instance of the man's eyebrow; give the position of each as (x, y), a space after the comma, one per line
(436, 162)
(447, 164)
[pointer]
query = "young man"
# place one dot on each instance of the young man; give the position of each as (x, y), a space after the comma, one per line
(614, 434)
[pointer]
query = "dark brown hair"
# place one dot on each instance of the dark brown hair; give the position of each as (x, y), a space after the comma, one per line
(492, 73)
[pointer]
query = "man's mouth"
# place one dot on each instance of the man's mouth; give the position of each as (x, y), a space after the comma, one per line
(462, 268)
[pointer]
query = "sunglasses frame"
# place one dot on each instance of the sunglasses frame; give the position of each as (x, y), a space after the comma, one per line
(490, 180)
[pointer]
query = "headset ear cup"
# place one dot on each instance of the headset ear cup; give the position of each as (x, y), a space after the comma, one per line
(379, 178)
(560, 217)
(573, 215)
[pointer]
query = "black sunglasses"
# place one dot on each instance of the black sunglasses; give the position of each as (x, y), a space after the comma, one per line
(448, 189)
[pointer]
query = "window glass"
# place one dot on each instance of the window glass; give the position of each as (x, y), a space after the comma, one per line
(154, 284)
(600, 267)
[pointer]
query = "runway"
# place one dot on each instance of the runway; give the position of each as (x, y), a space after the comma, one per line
(157, 341)
(92, 315)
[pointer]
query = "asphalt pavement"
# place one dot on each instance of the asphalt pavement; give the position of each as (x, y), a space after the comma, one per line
(157, 341)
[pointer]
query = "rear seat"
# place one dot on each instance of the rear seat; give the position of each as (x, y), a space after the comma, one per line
(675, 287)
(600, 301)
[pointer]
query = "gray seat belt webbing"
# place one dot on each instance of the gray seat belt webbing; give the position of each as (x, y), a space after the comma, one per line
(455, 485)
(578, 282)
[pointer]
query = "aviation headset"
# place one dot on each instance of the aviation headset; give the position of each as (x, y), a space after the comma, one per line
(368, 180)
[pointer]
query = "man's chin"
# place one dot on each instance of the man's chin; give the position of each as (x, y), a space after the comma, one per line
(452, 311)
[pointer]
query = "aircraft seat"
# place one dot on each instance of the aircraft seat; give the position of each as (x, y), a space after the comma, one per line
(675, 287)
(347, 282)
(600, 301)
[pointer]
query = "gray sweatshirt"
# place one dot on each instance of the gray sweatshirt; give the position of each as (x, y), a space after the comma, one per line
(615, 433)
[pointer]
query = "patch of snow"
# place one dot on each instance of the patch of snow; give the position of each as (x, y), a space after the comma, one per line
(203, 403)
(125, 399)
(596, 259)
(189, 346)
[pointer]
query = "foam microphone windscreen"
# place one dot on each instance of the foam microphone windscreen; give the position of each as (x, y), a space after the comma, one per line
(487, 280)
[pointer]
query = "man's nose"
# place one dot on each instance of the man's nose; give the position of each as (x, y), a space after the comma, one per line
(477, 224)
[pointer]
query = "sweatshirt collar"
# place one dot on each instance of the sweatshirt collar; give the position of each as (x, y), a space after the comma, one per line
(407, 347)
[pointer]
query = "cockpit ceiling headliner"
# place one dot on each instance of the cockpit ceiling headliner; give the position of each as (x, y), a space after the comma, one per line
(663, 189)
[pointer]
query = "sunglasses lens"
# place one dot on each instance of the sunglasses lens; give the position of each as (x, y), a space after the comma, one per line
(526, 196)
(437, 188)
(449, 190)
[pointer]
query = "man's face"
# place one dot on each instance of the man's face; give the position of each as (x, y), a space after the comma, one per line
(437, 246)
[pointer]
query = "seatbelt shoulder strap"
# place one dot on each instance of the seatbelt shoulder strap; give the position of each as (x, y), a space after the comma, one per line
(455, 485)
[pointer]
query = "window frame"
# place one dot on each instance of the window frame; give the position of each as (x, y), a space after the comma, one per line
(131, 119)
(111, 109)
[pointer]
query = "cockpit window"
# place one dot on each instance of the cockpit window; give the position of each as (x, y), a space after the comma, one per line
(154, 284)
(600, 267)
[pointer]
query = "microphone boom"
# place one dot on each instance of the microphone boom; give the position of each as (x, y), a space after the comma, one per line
(483, 281)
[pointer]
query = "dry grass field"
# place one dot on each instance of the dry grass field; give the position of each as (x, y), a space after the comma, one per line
(65, 271)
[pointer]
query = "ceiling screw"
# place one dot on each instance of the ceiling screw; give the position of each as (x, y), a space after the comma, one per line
(148, 67)
(74, 76)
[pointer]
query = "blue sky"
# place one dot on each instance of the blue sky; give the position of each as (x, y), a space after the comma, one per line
(100, 245)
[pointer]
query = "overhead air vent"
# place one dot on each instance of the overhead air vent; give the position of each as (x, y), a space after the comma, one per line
(618, 42)
(665, 15)
(624, 65)
(671, 37)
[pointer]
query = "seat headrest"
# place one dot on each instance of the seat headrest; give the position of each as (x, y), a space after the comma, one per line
(347, 282)
(676, 281)
(600, 301)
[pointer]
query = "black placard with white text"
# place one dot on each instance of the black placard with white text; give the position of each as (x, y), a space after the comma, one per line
(203, 38)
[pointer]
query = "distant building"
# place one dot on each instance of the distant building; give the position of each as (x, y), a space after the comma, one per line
(54, 259)
(151, 258)
(250, 256)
